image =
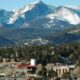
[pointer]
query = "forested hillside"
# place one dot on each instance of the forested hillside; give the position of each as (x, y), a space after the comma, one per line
(68, 53)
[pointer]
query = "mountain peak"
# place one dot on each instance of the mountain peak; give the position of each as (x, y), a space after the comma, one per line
(38, 2)
(29, 10)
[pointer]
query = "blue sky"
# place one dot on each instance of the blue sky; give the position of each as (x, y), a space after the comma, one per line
(15, 4)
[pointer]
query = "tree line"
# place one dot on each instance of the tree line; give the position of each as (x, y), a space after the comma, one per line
(43, 54)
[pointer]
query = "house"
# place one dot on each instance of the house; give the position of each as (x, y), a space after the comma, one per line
(31, 67)
(61, 69)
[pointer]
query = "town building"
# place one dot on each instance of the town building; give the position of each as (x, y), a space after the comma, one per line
(61, 69)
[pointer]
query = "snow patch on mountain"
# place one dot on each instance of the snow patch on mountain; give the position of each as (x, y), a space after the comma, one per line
(20, 12)
(73, 7)
(65, 14)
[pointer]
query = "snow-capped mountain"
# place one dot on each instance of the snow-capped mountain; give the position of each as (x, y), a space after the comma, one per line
(64, 14)
(39, 11)
(30, 12)
(20, 13)
(38, 20)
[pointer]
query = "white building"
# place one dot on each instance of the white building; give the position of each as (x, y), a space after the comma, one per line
(33, 62)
